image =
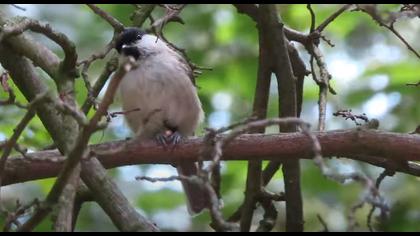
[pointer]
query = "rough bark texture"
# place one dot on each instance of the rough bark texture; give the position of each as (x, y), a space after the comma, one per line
(63, 128)
(376, 147)
(125, 219)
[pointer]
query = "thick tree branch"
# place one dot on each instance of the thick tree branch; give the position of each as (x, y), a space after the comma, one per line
(83, 195)
(270, 24)
(38, 53)
(27, 80)
(20, 25)
(383, 149)
(63, 220)
(114, 204)
(250, 9)
(141, 13)
(290, 91)
(253, 183)
(76, 153)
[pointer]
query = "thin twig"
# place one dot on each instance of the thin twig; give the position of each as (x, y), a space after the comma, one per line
(323, 223)
(416, 131)
(172, 14)
(116, 113)
(311, 11)
(372, 11)
(118, 28)
(10, 144)
(413, 84)
(246, 127)
(12, 217)
(379, 180)
(66, 108)
(11, 100)
(323, 37)
(351, 217)
(218, 222)
(331, 18)
(269, 218)
(139, 16)
(110, 67)
(324, 86)
(18, 7)
(347, 114)
(323, 83)
(216, 152)
(21, 150)
(110, 19)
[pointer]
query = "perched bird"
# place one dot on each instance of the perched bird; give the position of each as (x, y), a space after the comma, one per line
(162, 90)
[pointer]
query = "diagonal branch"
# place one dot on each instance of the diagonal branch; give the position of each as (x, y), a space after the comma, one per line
(125, 219)
(110, 19)
(76, 153)
(372, 11)
(331, 18)
(118, 28)
(139, 15)
(12, 58)
(10, 144)
(21, 24)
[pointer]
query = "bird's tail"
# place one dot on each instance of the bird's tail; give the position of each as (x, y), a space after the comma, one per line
(197, 197)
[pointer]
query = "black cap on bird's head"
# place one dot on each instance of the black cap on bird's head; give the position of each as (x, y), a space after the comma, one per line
(126, 39)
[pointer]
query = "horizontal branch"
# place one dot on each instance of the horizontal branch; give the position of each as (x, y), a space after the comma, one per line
(378, 148)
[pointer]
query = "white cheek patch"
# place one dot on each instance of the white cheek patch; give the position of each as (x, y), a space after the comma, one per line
(151, 42)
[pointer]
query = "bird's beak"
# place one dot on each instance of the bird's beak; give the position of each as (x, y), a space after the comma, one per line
(130, 50)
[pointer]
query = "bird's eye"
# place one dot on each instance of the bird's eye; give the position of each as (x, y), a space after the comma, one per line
(139, 37)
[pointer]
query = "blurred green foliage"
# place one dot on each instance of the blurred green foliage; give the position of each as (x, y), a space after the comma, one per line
(217, 36)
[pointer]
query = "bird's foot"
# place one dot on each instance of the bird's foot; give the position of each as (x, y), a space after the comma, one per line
(175, 138)
(168, 139)
(161, 140)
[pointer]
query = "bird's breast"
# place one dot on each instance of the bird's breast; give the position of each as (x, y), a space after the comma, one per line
(164, 94)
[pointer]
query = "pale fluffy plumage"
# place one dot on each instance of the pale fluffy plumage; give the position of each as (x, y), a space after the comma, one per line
(161, 87)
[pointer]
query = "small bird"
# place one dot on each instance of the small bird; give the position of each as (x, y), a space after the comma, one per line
(164, 100)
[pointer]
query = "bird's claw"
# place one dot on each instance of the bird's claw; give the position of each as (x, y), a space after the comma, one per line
(175, 138)
(161, 140)
(169, 140)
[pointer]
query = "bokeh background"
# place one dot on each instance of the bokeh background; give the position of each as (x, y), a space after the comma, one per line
(369, 66)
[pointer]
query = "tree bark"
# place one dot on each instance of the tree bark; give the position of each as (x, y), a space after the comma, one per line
(375, 147)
